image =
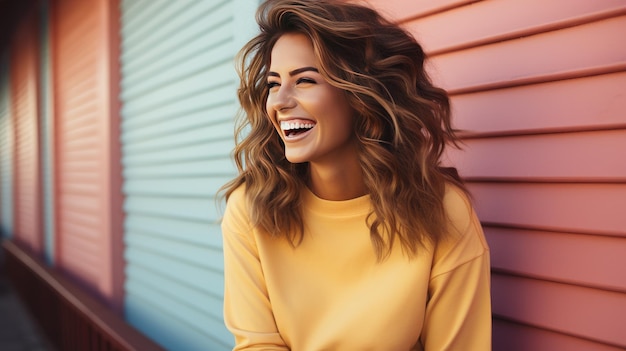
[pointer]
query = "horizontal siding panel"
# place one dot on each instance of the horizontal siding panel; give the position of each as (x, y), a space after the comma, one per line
(577, 208)
(77, 116)
(182, 169)
(78, 264)
(218, 116)
(515, 18)
(83, 218)
(195, 209)
(80, 232)
(202, 151)
(552, 157)
(204, 308)
(81, 132)
(572, 310)
(512, 336)
(136, 85)
(82, 143)
(553, 106)
(197, 32)
(400, 10)
(586, 260)
(173, 24)
(197, 71)
(80, 188)
(203, 100)
(210, 130)
(204, 233)
(211, 81)
(78, 202)
(177, 271)
(145, 310)
(534, 58)
(192, 187)
(206, 257)
(138, 13)
(79, 163)
(149, 21)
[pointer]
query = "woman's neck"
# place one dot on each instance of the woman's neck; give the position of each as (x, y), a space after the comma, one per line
(337, 183)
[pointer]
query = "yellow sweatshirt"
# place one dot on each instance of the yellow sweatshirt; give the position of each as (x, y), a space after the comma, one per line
(331, 293)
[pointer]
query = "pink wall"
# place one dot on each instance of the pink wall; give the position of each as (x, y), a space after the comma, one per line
(28, 227)
(539, 89)
(87, 168)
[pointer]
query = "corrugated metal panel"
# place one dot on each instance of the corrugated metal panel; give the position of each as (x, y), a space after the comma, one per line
(47, 123)
(25, 108)
(87, 173)
(538, 87)
(6, 150)
(179, 102)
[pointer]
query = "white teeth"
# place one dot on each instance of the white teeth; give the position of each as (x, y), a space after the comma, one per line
(296, 125)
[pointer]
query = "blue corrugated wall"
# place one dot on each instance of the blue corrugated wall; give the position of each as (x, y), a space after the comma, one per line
(47, 132)
(6, 150)
(178, 94)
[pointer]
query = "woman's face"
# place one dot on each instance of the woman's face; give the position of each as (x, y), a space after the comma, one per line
(313, 118)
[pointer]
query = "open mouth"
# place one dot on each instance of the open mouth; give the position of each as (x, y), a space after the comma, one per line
(293, 129)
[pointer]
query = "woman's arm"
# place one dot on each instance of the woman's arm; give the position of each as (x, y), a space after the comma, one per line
(458, 312)
(247, 308)
(458, 315)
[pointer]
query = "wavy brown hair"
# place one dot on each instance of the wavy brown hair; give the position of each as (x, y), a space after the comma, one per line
(402, 124)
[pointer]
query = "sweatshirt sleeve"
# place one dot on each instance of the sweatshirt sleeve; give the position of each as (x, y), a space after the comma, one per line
(458, 313)
(247, 308)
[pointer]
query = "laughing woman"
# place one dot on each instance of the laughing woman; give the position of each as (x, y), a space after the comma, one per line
(342, 231)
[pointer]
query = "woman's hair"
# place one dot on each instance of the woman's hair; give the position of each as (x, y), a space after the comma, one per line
(402, 123)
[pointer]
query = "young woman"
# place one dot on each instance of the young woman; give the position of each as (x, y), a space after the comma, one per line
(342, 231)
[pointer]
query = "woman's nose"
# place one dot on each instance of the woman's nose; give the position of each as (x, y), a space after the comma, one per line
(282, 99)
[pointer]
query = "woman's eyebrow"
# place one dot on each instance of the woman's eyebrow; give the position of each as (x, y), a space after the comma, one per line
(295, 71)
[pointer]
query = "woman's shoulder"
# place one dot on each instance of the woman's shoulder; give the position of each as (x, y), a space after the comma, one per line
(236, 212)
(465, 240)
(458, 206)
(237, 196)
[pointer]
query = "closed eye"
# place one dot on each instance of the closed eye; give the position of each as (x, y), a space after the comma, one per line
(306, 80)
(271, 85)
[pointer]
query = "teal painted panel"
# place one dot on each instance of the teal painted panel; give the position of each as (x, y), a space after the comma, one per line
(181, 208)
(181, 138)
(177, 38)
(201, 187)
(143, 310)
(200, 233)
(201, 168)
(206, 150)
(203, 101)
(45, 115)
(178, 93)
(6, 150)
(151, 127)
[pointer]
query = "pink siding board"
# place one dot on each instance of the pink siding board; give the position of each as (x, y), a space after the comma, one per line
(514, 19)
(577, 207)
(535, 58)
(540, 91)
(515, 337)
(586, 260)
(28, 226)
(546, 157)
(589, 313)
(401, 10)
(88, 174)
(552, 106)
